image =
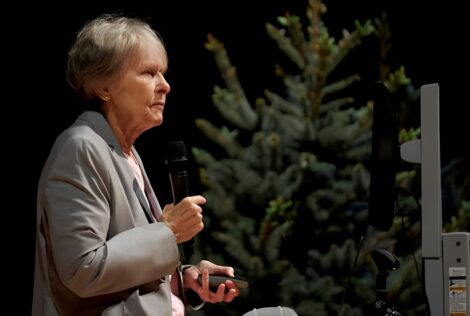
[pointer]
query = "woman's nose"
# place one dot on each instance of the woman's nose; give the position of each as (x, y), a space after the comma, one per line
(163, 86)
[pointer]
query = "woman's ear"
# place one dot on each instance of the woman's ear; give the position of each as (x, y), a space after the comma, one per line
(103, 93)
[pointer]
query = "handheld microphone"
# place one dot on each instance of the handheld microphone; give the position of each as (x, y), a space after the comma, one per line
(177, 163)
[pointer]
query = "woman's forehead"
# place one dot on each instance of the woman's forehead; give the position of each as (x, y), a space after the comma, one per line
(151, 49)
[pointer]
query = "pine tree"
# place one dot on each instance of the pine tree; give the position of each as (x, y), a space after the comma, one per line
(288, 197)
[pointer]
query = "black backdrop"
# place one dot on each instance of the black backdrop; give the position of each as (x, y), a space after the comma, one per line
(428, 39)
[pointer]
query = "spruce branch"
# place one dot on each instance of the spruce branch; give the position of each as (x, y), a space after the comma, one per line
(348, 42)
(340, 84)
(235, 93)
(285, 44)
(223, 137)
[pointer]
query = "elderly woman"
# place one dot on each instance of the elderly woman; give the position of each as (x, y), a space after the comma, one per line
(104, 245)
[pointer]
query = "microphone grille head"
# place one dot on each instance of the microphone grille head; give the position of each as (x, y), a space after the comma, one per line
(176, 149)
(176, 156)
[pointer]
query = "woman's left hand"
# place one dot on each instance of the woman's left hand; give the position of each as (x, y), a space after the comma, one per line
(225, 292)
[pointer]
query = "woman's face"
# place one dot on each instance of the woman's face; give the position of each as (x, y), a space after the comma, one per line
(138, 95)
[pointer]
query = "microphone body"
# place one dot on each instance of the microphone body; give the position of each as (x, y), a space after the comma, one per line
(177, 163)
(179, 183)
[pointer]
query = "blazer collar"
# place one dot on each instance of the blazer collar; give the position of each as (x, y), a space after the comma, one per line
(99, 124)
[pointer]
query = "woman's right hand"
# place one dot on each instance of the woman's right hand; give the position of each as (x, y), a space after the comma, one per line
(184, 218)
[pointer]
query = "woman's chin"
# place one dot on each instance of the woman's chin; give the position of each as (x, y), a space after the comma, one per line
(156, 117)
(158, 120)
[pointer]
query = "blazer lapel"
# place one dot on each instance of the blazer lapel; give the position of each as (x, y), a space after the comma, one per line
(151, 198)
(143, 201)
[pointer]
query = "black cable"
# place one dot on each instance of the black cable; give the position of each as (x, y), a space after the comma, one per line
(348, 284)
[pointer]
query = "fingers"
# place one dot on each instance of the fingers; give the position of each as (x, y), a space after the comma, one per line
(225, 292)
(216, 269)
(233, 291)
(185, 218)
(196, 199)
(187, 231)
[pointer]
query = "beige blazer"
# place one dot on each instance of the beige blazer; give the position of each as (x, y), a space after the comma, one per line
(96, 252)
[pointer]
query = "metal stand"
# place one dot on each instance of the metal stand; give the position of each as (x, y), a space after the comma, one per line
(385, 262)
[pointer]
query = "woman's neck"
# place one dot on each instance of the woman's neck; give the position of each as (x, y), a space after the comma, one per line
(124, 134)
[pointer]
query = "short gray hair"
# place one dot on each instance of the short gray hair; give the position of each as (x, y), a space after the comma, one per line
(104, 48)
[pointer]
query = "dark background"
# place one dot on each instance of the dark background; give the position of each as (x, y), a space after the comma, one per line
(428, 39)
